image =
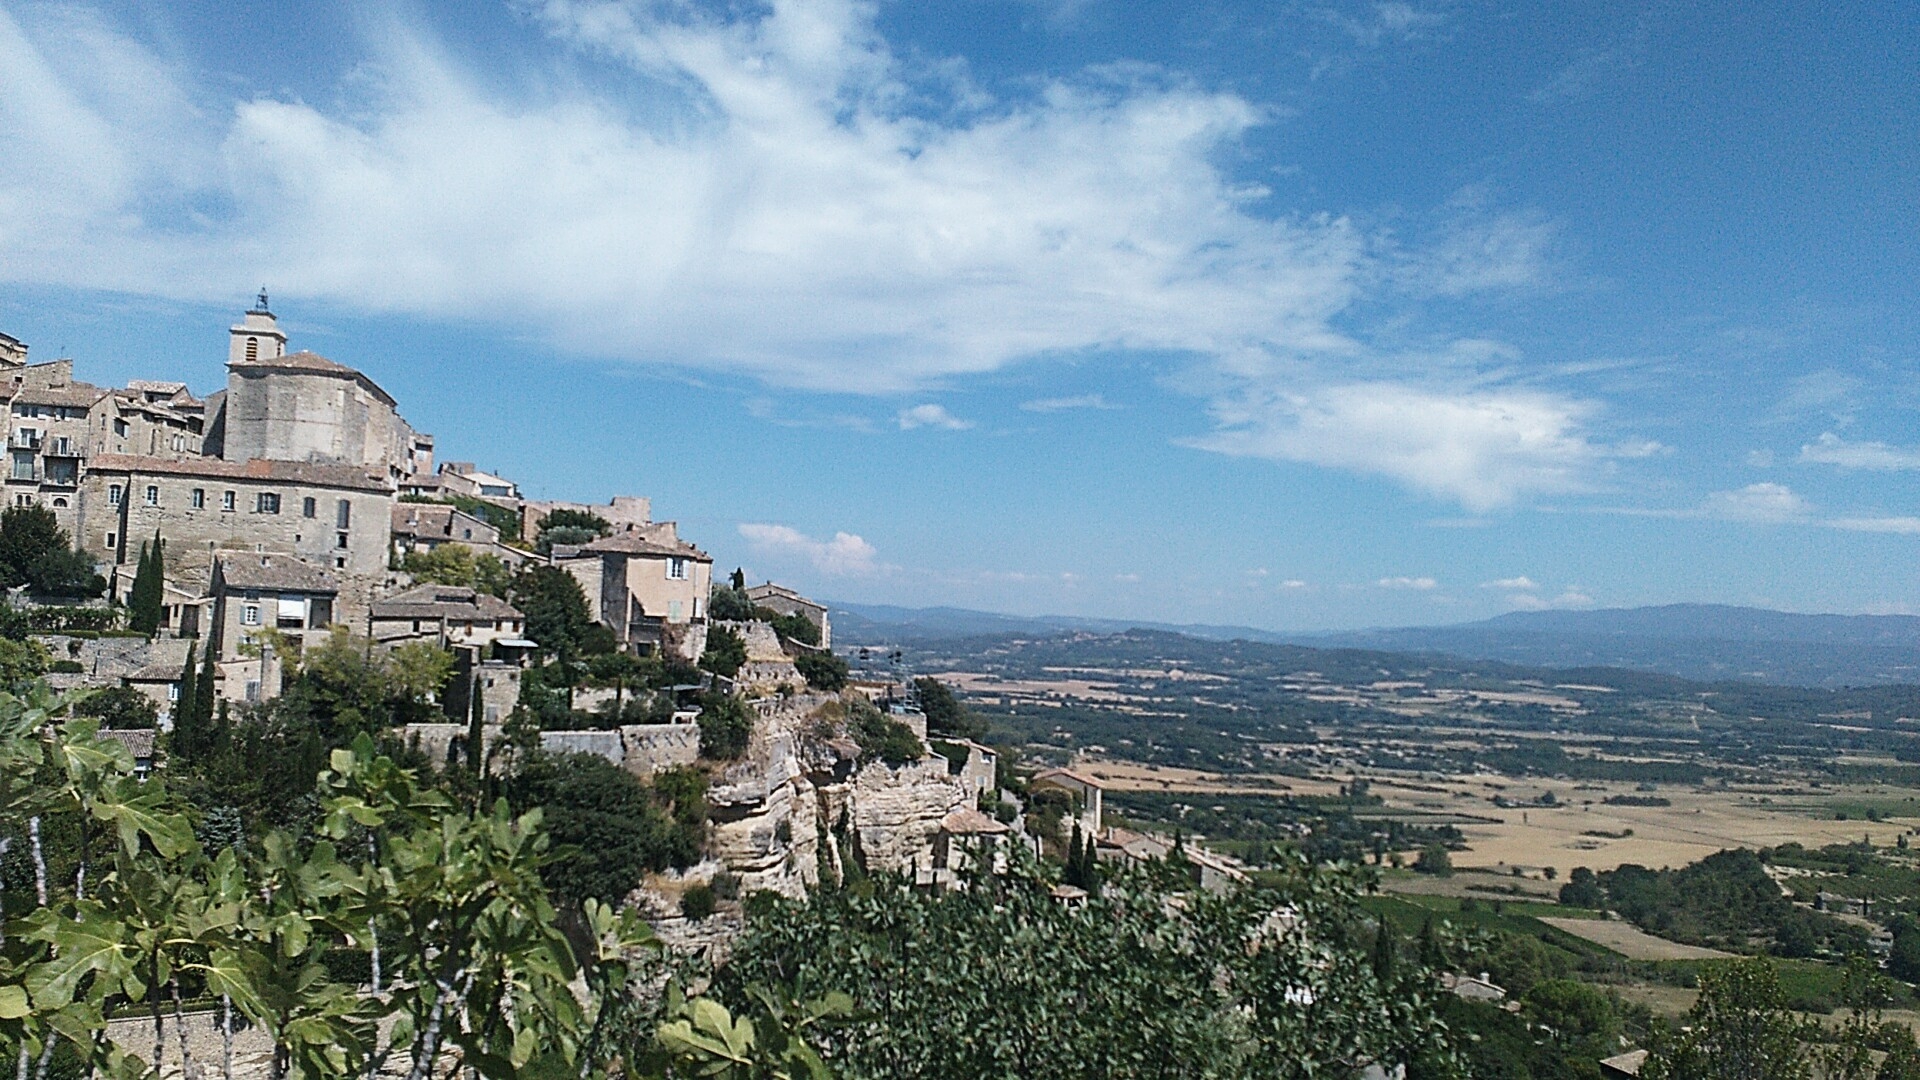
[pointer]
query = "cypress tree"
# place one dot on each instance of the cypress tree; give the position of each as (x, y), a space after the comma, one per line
(1383, 951)
(204, 690)
(147, 598)
(184, 744)
(1074, 859)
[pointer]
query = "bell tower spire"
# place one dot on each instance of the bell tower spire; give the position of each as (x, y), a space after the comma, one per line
(258, 337)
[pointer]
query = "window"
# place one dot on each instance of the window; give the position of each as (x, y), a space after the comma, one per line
(292, 614)
(677, 569)
(250, 615)
(266, 502)
(253, 348)
(340, 540)
(173, 691)
(226, 500)
(308, 507)
(111, 540)
(59, 501)
(153, 495)
(120, 428)
(199, 498)
(673, 611)
(23, 463)
(23, 500)
(179, 442)
(343, 514)
(113, 495)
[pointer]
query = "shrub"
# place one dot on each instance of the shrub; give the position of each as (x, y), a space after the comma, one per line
(823, 671)
(725, 726)
(1434, 860)
(881, 736)
(726, 652)
(697, 902)
(726, 886)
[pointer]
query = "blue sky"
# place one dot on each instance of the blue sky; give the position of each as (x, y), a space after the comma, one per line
(1291, 315)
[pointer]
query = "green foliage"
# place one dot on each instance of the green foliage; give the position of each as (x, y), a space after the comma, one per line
(822, 670)
(119, 707)
(21, 661)
(880, 736)
(1583, 890)
(946, 715)
(457, 565)
(146, 600)
(794, 627)
(1434, 860)
(505, 520)
(726, 723)
(67, 573)
(725, 653)
(1739, 1027)
(1726, 900)
(998, 979)
(729, 603)
(610, 828)
(697, 902)
(27, 533)
(569, 527)
(556, 609)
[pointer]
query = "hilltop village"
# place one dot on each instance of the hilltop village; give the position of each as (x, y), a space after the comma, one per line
(216, 547)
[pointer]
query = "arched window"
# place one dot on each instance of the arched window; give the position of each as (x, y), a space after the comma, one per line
(253, 348)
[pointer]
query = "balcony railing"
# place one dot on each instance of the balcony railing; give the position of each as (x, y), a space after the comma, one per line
(19, 441)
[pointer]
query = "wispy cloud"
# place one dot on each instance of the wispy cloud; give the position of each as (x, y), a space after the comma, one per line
(1522, 582)
(1063, 404)
(1831, 449)
(845, 555)
(1763, 502)
(1483, 448)
(930, 416)
(1419, 584)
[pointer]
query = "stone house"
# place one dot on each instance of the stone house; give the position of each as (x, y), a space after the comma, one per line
(335, 516)
(463, 478)
(450, 616)
(13, 351)
(966, 838)
(647, 585)
(785, 601)
(1085, 790)
(423, 527)
(254, 592)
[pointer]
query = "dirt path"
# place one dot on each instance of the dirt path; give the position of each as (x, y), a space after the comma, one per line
(1632, 942)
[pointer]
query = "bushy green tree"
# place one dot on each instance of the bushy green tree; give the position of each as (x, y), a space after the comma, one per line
(26, 534)
(822, 670)
(946, 715)
(119, 707)
(726, 724)
(556, 610)
(999, 979)
(880, 736)
(729, 603)
(569, 527)
(65, 572)
(458, 565)
(608, 826)
(1738, 1027)
(726, 652)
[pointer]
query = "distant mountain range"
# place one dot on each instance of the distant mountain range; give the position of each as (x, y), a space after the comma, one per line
(1695, 641)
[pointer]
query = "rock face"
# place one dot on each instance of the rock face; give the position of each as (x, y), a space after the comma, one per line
(801, 799)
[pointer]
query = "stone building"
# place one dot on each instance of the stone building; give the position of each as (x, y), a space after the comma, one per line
(13, 351)
(56, 425)
(300, 406)
(623, 512)
(333, 516)
(423, 527)
(254, 592)
(464, 478)
(449, 616)
(647, 585)
(1085, 791)
(785, 601)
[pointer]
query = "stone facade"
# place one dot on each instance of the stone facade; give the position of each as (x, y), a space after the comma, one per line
(785, 601)
(647, 585)
(334, 516)
(252, 593)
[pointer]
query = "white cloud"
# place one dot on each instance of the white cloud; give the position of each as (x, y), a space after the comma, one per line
(1293, 583)
(931, 416)
(1765, 502)
(1417, 583)
(1484, 448)
(1521, 582)
(780, 195)
(1831, 449)
(846, 555)
(1062, 404)
(1904, 526)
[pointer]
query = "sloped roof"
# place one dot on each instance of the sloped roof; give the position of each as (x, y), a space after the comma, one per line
(315, 473)
(80, 394)
(651, 540)
(444, 602)
(762, 592)
(1058, 775)
(284, 573)
(312, 364)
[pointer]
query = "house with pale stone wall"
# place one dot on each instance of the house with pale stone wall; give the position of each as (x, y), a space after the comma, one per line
(647, 585)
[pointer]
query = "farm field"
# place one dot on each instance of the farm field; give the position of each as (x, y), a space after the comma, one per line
(1630, 941)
